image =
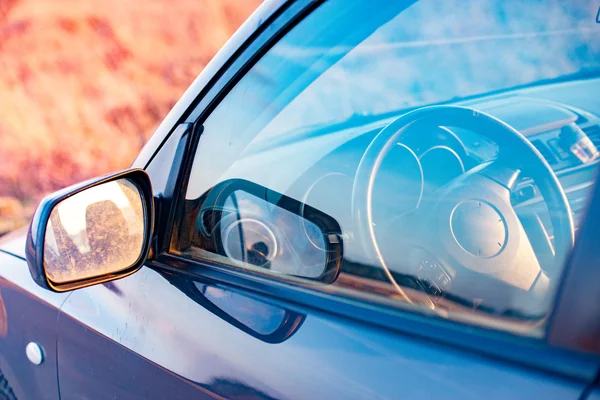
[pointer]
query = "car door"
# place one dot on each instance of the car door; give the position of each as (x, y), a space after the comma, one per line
(28, 316)
(266, 282)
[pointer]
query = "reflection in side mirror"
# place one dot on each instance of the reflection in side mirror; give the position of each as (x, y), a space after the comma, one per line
(93, 233)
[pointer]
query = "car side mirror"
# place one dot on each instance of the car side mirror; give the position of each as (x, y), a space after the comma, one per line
(90, 233)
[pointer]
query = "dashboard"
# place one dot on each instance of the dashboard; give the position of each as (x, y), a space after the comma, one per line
(567, 137)
(319, 168)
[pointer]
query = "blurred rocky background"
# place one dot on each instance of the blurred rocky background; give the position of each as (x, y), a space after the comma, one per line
(83, 84)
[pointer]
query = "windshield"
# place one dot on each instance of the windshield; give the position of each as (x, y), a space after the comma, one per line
(486, 46)
(374, 57)
(320, 118)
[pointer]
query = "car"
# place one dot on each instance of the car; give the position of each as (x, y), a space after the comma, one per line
(354, 200)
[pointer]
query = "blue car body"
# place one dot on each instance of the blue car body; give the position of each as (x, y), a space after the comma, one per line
(158, 333)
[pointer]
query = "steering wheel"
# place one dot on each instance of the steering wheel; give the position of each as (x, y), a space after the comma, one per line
(465, 240)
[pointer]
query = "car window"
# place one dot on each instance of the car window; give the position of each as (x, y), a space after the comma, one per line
(436, 155)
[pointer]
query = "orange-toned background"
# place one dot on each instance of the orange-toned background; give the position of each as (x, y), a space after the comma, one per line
(83, 84)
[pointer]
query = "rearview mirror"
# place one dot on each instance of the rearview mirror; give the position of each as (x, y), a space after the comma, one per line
(91, 233)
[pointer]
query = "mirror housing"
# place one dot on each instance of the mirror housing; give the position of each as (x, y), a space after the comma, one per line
(82, 196)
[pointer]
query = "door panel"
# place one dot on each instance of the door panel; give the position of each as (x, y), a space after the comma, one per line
(146, 336)
(93, 366)
(27, 314)
(594, 394)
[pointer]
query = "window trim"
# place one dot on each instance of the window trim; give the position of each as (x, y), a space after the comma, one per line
(514, 349)
(227, 62)
(528, 352)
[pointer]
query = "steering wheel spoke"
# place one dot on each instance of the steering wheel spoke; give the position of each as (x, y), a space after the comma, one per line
(497, 171)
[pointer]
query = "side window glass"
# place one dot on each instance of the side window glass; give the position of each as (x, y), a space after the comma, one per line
(407, 154)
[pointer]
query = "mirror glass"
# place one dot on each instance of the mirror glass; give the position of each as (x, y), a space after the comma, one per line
(259, 233)
(95, 232)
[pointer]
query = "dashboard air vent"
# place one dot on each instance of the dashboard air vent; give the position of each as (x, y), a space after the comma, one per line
(546, 152)
(593, 132)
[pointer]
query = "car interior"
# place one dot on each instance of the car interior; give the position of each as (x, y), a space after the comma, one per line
(465, 206)
(412, 173)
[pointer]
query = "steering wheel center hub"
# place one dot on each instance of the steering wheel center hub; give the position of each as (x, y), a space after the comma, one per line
(478, 228)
